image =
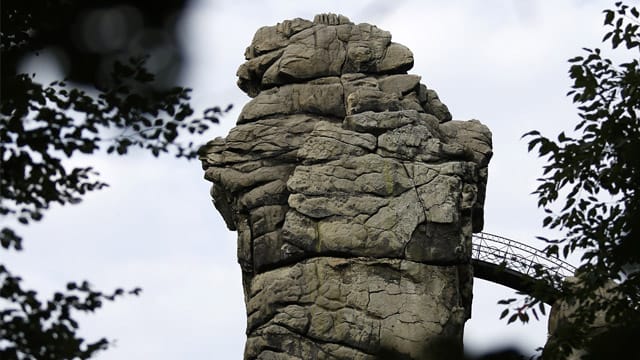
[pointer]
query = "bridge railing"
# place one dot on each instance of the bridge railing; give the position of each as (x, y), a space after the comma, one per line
(516, 256)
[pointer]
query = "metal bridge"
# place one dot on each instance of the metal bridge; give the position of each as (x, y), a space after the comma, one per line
(516, 265)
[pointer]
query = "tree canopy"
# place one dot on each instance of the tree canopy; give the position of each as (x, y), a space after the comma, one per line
(590, 192)
(115, 98)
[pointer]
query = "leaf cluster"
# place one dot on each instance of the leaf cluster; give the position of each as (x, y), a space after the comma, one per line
(590, 184)
(42, 127)
(32, 329)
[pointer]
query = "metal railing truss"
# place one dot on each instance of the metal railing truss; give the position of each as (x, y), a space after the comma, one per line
(518, 257)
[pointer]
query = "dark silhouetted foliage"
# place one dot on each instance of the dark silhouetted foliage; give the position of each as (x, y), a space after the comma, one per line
(590, 192)
(121, 59)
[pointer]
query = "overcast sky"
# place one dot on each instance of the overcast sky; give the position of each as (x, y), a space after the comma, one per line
(500, 61)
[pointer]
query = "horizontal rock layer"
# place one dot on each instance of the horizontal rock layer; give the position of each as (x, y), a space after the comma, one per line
(346, 95)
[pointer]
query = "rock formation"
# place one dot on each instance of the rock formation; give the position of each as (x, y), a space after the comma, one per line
(600, 338)
(353, 193)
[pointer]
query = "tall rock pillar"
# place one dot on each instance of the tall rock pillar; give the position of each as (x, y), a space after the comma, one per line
(353, 193)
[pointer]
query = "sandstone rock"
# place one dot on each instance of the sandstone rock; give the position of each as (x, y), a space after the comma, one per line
(234, 180)
(271, 193)
(329, 141)
(332, 45)
(349, 205)
(473, 135)
(354, 81)
(399, 84)
(267, 219)
(331, 19)
(353, 193)
(368, 99)
(255, 68)
(380, 122)
(436, 107)
(397, 58)
(562, 322)
(313, 98)
(269, 38)
(245, 245)
(360, 305)
(313, 53)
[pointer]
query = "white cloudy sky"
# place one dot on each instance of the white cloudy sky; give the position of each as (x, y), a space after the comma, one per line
(500, 61)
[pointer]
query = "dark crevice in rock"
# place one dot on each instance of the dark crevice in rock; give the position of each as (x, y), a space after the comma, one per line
(346, 255)
(321, 342)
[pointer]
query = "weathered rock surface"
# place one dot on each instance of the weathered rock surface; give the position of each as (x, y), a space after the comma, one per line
(353, 193)
(602, 337)
(356, 306)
